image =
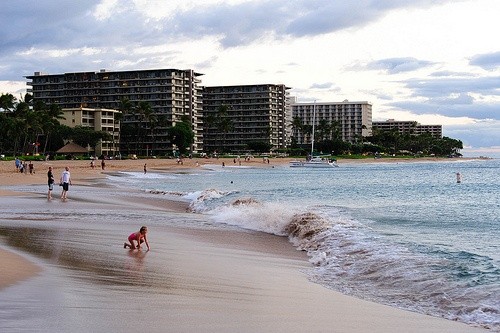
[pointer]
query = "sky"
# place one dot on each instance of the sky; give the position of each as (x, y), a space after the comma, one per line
(432, 61)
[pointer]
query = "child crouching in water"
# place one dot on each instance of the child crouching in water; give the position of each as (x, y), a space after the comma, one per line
(138, 237)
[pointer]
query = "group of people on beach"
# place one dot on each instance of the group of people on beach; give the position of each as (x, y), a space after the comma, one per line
(65, 182)
(22, 167)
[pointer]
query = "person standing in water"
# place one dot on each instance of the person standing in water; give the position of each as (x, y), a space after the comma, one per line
(65, 182)
(50, 182)
(137, 237)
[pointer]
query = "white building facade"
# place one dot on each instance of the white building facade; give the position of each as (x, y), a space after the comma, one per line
(347, 121)
(408, 127)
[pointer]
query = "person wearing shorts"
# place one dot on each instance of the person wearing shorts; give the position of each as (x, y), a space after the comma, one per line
(50, 182)
(65, 182)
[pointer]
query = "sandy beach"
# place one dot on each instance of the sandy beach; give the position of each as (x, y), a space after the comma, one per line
(67, 272)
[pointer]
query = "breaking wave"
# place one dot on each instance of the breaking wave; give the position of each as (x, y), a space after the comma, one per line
(350, 257)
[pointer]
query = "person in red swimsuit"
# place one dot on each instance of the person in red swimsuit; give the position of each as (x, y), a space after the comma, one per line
(137, 237)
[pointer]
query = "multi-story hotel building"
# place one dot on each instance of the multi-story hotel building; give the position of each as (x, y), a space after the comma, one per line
(99, 120)
(348, 121)
(409, 127)
(172, 94)
(254, 113)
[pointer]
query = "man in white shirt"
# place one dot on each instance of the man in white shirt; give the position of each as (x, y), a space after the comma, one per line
(65, 182)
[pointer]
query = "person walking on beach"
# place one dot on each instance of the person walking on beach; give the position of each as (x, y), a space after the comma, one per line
(50, 182)
(139, 237)
(65, 182)
(145, 168)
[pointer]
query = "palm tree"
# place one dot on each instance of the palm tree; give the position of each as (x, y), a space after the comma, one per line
(307, 130)
(125, 107)
(49, 121)
(363, 127)
(27, 122)
(141, 110)
(11, 128)
(336, 130)
(7, 102)
(296, 126)
(221, 123)
(151, 122)
(10, 133)
(225, 126)
(323, 130)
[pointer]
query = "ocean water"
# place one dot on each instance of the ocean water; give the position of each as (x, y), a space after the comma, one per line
(402, 234)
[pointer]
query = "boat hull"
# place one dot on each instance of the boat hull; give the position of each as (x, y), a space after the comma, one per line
(313, 164)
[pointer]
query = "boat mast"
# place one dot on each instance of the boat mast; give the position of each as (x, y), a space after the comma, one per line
(312, 136)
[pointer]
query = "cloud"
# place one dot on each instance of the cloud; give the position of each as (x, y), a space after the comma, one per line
(438, 87)
(473, 135)
(396, 65)
(460, 99)
(326, 85)
(379, 94)
(94, 34)
(474, 110)
(26, 23)
(446, 73)
(246, 22)
(99, 24)
(206, 63)
(308, 18)
(488, 61)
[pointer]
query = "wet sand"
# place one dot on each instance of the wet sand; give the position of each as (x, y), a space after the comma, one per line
(79, 278)
(15, 268)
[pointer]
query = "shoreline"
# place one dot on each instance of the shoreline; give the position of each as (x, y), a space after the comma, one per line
(225, 262)
(81, 172)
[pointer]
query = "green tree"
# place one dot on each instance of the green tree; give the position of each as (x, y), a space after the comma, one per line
(181, 135)
(334, 147)
(151, 121)
(29, 123)
(49, 118)
(86, 136)
(296, 126)
(7, 102)
(126, 130)
(259, 146)
(9, 133)
(224, 124)
(142, 111)
(218, 124)
(323, 130)
(307, 130)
